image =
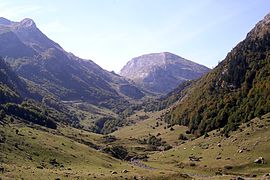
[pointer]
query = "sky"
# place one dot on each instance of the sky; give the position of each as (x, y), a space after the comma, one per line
(112, 32)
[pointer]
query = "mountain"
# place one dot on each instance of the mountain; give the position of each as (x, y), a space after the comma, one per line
(52, 71)
(10, 84)
(234, 92)
(161, 72)
(13, 102)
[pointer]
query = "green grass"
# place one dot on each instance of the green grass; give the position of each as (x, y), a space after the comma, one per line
(36, 146)
(88, 114)
(253, 141)
(143, 128)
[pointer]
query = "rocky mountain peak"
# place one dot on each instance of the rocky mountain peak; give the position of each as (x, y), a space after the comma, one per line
(42, 61)
(161, 72)
(27, 23)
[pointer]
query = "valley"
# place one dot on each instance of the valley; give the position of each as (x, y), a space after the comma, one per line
(67, 153)
(163, 117)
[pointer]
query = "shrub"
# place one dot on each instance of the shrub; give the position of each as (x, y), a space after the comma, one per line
(182, 137)
(118, 152)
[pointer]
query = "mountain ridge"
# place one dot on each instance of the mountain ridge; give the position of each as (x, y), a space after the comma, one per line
(35, 57)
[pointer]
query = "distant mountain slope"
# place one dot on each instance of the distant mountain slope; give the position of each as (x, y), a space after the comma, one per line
(9, 82)
(13, 93)
(161, 72)
(237, 90)
(45, 64)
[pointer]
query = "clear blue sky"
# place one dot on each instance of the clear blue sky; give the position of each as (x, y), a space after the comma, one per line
(111, 32)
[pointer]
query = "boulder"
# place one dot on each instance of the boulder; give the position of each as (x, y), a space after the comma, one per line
(260, 160)
(2, 139)
(239, 178)
(194, 158)
(124, 171)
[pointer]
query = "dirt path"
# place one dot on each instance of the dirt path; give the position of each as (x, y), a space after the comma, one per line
(138, 163)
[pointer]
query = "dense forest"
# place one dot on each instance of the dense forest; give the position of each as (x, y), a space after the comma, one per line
(237, 90)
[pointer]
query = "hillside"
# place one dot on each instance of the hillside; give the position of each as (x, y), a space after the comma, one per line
(161, 72)
(30, 151)
(10, 84)
(62, 117)
(46, 65)
(13, 102)
(237, 90)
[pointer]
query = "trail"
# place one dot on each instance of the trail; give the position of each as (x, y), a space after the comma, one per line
(138, 163)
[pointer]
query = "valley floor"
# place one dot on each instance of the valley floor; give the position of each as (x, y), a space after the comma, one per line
(34, 152)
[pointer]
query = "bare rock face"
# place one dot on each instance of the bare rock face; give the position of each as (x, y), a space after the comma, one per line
(161, 72)
(261, 28)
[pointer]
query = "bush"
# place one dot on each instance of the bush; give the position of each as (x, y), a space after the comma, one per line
(2, 114)
(29, 115)
(109, 138)
(118, 152)
(206, 135)
(182, 137)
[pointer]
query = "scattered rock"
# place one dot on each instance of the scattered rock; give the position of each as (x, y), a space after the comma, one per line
(54, 162)
(114, 172)
(17, 146)
(57, 178)
(239, 178)
(39, 167)
(2, 169)
(219, 157)
(124, 171)
(180, 165)
(260, 160)
(240, 151)
(2, 139)
(260, 126)
(219, 145)
(193, 158)
(185, 176)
